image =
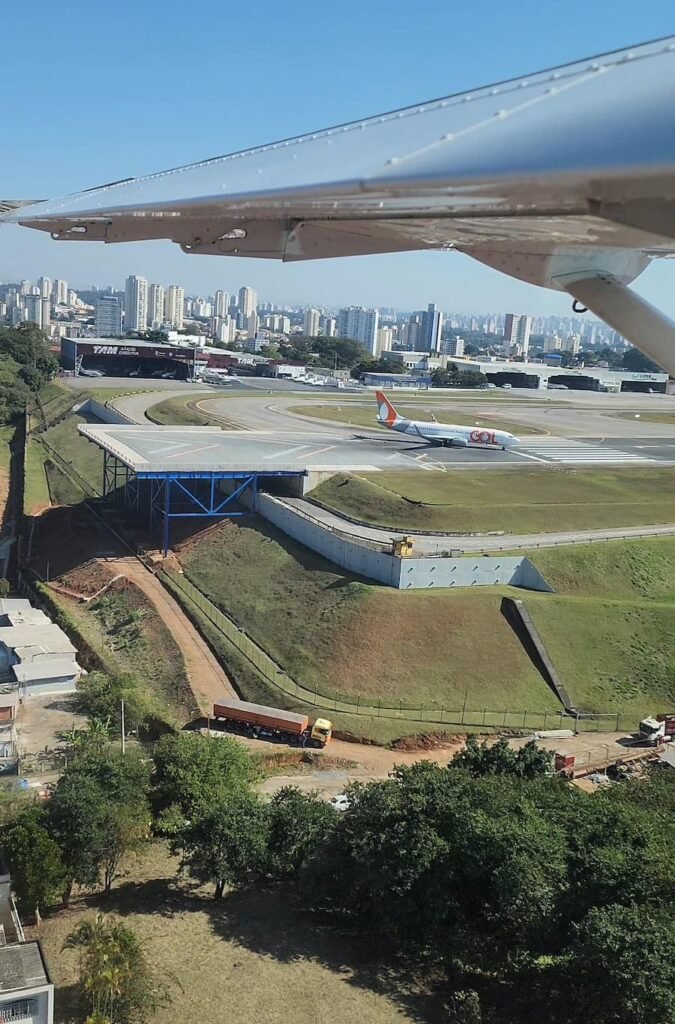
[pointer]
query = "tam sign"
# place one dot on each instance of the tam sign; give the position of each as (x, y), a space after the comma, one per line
(136, 351)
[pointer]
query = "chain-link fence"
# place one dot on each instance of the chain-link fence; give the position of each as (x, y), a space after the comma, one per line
(431, 713)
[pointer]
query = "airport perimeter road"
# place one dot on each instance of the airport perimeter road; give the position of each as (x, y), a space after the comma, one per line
(433, 544)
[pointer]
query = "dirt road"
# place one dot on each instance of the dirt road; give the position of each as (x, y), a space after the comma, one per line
(208, 679)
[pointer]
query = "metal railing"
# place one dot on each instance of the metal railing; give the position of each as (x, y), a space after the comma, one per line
(428, 713)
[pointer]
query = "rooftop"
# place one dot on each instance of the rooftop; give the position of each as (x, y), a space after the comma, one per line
(22, 967)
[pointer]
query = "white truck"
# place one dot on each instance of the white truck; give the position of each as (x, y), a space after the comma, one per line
(655, 731)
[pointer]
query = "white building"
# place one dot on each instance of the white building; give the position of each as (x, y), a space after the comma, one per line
(35, 653)
(246, 302)
(252, 325)
(174, 301)
(225, 330)
(359, 324)
(455, 346)
(60, 292)
(312, 320)
(45, 286)
(221, 304)
(329, 326)
(385, 338)
(517, 330)
(136, 304)
(155, 306)
(108, 316)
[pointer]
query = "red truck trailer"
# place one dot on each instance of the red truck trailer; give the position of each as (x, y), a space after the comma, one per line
(258, 720)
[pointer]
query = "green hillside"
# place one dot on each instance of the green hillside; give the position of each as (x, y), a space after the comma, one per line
(541, 499)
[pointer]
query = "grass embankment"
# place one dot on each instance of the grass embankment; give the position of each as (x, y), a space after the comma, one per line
(36, 492)
(6, 435)
(360, 416)
(541, 500)
(610, 629)
(337, 634)
(182, 411)
(266, 959)
(650, 417)
(126, 629)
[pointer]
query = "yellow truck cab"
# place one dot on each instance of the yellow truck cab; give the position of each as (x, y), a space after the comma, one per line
(322, 730)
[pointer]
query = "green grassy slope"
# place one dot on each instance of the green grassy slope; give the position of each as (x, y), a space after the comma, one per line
(367, 417)
(541, 499)
(624, 570)
(330, 630)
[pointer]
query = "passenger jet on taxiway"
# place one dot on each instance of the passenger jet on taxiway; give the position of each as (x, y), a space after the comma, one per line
(442, 433)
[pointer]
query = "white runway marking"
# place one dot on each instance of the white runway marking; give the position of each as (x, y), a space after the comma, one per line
(310, 455)
(558, 449)
(193, 451)
(286, 451)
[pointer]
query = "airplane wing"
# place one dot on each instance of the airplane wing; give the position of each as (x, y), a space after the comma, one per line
(564, 178)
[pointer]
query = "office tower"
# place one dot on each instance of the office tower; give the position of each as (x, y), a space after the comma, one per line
(329, 326)
(45, 286)
(46, 312)
(155, 306)
(455, 346)
(431, 328)
(385, 339)
(359, 324)
(517, 330)
(252, 325)
(174, 301)
(26, 287)
(312, 318)
(413, 333)
(221, 304)
(136, 304)
(60, 292)
(247, 301)
(108, 316)
(33, 309)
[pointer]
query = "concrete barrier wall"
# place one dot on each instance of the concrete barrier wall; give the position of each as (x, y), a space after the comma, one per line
(105, 413)
(402, 573)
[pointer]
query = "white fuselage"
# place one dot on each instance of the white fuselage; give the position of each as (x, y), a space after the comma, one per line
(453, 434)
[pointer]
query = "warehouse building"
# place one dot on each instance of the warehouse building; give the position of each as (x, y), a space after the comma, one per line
(35, 654)
(577, 378)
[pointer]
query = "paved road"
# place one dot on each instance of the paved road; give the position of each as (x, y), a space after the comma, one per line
(437, 543)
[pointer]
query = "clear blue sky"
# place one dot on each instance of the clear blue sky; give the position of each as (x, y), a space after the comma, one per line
(95, 92)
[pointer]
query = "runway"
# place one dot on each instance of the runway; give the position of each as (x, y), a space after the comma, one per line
(581, 429)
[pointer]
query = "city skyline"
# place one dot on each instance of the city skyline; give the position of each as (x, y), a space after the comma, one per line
(467, 48)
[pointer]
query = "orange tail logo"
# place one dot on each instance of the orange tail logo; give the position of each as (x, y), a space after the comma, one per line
(386, 413)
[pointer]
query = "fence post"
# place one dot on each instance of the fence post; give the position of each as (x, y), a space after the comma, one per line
(505, 714)
(524, 718)
(618, 720)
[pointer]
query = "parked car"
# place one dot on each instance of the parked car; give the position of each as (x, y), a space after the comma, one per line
(340, 802)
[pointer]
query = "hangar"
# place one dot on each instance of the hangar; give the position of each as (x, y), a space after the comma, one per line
(128, 358)
(577, 378)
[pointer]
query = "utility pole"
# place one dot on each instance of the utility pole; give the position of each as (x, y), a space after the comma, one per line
(124, 745)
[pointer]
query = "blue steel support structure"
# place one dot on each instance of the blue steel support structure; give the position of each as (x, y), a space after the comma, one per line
(181, 494)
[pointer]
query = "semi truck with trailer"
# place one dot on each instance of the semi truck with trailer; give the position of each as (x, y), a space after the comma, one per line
(263, 722)
(655, 731)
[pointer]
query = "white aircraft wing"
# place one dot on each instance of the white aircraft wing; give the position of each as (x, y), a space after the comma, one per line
(564, 178)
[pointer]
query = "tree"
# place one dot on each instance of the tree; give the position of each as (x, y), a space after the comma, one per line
(193, 772)
(227, 843)
(100, 696)
(298, 824)
(635, 360)
(4, 587)
(484, 758)
(100, 812)
(35, 861)
(622, 966)
(115, 977)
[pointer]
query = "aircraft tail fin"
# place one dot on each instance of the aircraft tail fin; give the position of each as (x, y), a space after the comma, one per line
(386, 413)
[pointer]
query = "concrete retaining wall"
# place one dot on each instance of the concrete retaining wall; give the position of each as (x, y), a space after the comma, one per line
(105, 413)
(402, 573)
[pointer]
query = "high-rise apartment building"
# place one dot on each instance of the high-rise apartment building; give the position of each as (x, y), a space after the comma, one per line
(174, 301)
(45, 286)
(359, 324)
(225, 329)
(431, 327)
(136, 304)
(108, 316)
(455, 346)
(328, 326)
(155, 306)
(60, 292)
(311, 325)
(247, 301)
(33, 309)
(517, 330)
(252, 325)
(385, 339)
(221, 304)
